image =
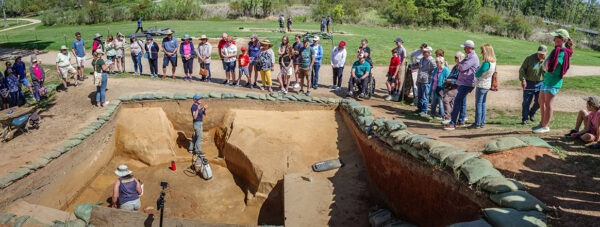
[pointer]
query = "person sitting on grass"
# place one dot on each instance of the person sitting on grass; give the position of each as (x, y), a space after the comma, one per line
(591, 121)
(243, 61)
(440, 73)
(359, 74)
(126, 190)
(393, 71)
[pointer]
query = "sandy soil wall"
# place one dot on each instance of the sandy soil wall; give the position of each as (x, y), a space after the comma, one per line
(413, 190)
(57, 184)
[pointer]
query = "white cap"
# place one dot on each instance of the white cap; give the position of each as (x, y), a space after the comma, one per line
(316, 38)
(468, 43)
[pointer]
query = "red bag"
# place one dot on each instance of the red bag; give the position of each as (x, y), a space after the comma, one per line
(494, 82)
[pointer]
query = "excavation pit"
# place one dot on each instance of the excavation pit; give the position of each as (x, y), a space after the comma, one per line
(261, 154)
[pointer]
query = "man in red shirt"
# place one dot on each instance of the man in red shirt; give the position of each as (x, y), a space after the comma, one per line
(222, 43)
(392, 73)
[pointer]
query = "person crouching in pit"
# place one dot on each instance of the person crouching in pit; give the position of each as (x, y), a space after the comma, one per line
(127, 190)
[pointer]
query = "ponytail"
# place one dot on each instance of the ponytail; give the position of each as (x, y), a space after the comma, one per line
(570, 44)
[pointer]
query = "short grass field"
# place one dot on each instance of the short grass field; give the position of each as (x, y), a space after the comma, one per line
(381, 39)
(12, 22)
(584, 85)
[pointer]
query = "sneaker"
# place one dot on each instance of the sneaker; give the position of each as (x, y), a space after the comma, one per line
(262, 88)
(446, 122)
(300, 92)
(449, 127)
(254, 84)
(270, 89)
(350, 94)
(235, 83)
(536, 127)
(225, 83)
(308, 93)
(461, 125)
(532, 118)
(568, 135)
(423, 114)
(315, 87)
(362, 96)
(524, 122)
(202, 154)
(473, 126)
(251, 86)
(438, 118)
(235, 86)
(190, 151)
(332, 87)
(185, 79)
(388, 98)
(337, 88)
(542, 130)
(285, 92)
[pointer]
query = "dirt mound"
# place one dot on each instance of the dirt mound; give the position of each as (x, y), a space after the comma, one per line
(145, 134)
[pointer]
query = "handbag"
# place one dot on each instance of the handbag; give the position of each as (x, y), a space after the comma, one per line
(203, 71)
(42, 91)
(97, 78)
(494, 82)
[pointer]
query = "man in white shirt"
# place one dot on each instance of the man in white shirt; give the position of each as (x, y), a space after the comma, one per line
(338, 60)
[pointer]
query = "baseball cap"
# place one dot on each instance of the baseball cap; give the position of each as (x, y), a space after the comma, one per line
(560, 33)
(542, 49)
(63, 47)
(132, 36)
(361, 55)
(594, 100)
(98, 35)
(468, 43)
(196, 96)
(99, 51)
(342, 43)
(398, 40)
(148, 37)
(305, 39)
(243, 48)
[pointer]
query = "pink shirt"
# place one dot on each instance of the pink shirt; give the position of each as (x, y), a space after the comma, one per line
(436, 77)
(593, 119)
(187, 48)
(38, 72)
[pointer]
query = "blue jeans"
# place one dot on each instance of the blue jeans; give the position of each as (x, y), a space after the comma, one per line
(480, 109)
(531, 93)
(101, 90)
(137, 62)
(460, 105)
(196, 138)
(437, 103)
(423, 102)
(315, 75)
(36, 92)
(337, 76)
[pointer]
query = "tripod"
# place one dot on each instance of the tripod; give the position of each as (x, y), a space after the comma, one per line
(160, 203)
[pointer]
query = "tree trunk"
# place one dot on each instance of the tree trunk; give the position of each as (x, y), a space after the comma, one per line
(4, 12)
(512, 9)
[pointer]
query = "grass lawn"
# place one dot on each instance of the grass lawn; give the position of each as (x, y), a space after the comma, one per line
(577, 84)
(508, 51)
(12, 23)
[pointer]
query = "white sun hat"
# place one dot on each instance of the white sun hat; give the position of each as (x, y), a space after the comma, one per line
(122, 171)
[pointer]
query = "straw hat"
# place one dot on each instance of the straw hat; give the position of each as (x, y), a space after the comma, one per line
(122, 171)
(186, 36)
(266, 42)
(63, 47)
(203, 37)
(169, 32)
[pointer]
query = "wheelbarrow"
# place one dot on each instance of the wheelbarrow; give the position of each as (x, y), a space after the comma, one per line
(14, 122)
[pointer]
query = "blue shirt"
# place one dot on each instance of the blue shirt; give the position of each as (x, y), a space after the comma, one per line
(318, 53)
(170, 45)
(253, 49)
(78, 46)
(200, 113)
(19, 69)
(139, 22)
(361, 69)
(13, 83)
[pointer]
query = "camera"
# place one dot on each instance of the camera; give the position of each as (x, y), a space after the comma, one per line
(164, 185)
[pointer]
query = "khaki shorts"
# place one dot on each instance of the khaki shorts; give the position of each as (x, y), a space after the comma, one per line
(80, 61)
(65, 70)
(304, 72)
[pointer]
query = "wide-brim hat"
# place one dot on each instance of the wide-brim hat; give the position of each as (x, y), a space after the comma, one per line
(266, 42)
(468, 43)
(316, 38)
(119, 34)
(187, 37)
(63, 47)
(203, 37)
(169, 32)
(99, 51)
(98, 35)
(594, 100)
(122, 171)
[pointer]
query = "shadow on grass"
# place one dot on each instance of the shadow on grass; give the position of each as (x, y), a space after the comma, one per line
(27, 45)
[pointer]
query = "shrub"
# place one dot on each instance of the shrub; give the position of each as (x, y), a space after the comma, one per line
(401, 11)
(519, 27)
(48, 19)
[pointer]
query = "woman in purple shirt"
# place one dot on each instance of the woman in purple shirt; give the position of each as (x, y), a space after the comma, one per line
(253, 49)
(466, 76)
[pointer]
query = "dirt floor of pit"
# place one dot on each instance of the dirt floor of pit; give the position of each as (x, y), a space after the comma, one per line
(277, 143)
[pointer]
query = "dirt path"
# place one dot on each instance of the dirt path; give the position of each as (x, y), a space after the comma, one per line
(33, 21)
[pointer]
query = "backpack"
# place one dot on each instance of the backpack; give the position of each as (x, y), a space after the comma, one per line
(494, 82)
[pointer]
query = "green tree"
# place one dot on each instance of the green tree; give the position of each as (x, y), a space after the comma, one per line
(401, 11)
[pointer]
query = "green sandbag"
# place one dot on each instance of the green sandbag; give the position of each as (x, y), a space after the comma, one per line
(240, 96)
(12, 176)
(414, 152)
(253, 96)
(535, 141)
(189, 95)
(362, 110)
(137, 97)
(332, 101)
(227, 96)
(429, 144)
(291, 97)
(80, 136)
(365, 120)
(476, 223)
(262, 97)
(506, 217)
(423, 153)
(397, 147)
(52, 154)
(84, 211)
(125, 98)
(502, 144)
(455, 160)
(432, 161)
(70, 143)
(398, 133)
(269, 98)
(87, 132)
(214, 95)
(160, 95)
(75, 223)
(316, 99)
(416, 139)
(20, 220)
(441, 153)
(148, 96)
(519, 200)
(37, 163)
(500, 184)
(6, 218)
(477, 168)
(179, 96)
(393, 125)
